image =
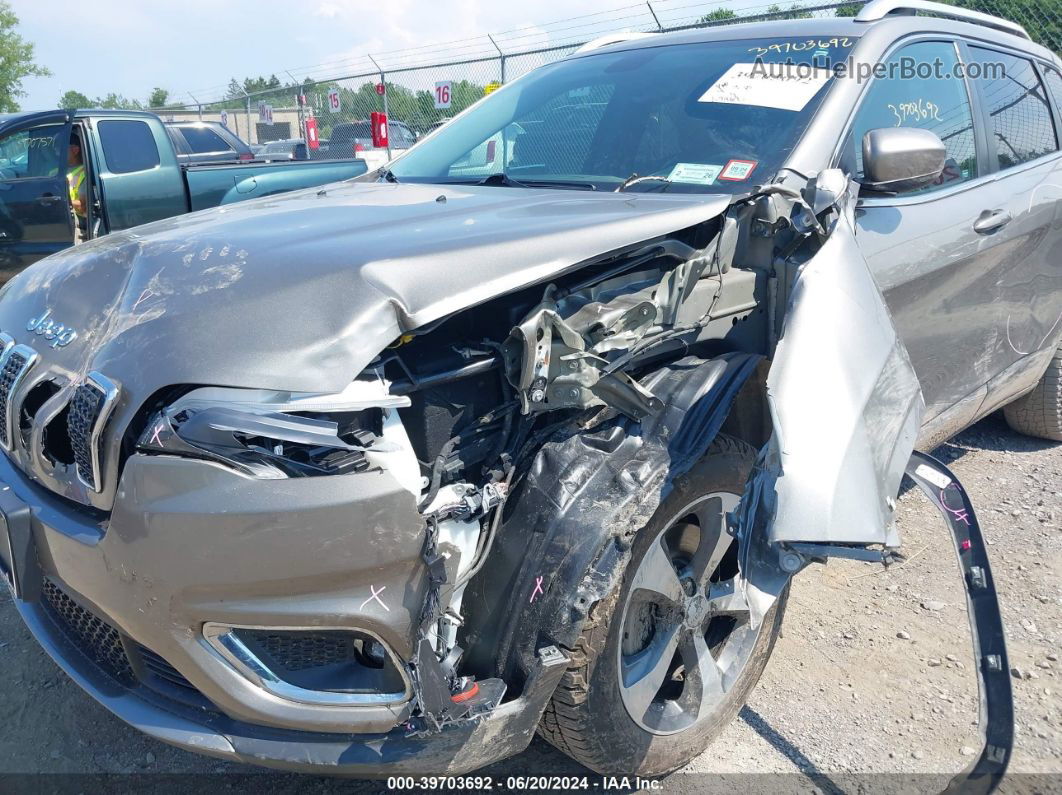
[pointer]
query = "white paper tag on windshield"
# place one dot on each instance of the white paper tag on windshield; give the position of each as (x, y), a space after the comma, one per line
(782, 86)
(696, 173)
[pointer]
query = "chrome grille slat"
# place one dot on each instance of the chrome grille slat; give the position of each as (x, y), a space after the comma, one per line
(84, 410)
(14, 364)
(90, 407)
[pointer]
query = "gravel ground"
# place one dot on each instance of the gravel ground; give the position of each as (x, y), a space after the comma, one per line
(873, 673)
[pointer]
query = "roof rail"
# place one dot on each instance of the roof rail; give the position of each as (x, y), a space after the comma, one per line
(611, 38)
(879, 9)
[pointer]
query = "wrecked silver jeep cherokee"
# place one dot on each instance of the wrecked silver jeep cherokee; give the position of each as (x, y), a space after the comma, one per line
(530, 430)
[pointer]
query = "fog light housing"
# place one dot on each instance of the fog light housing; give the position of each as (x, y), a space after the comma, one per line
(324, 667)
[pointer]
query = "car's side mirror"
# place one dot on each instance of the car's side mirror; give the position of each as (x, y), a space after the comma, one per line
(899, 159)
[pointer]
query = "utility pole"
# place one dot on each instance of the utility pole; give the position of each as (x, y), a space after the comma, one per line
(247, 115)
(383, 81)
(299, 106)
(501, 57)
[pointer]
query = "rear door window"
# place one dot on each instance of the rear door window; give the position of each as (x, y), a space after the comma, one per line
(937, 100)
(403, 135)
(203, 140)
(1054, 85)
(128, 146)
(1020, 125)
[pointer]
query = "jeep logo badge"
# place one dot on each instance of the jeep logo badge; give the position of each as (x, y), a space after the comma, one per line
(45, 327)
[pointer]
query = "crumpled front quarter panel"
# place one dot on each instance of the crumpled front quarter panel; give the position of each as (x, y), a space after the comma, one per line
(845, 402)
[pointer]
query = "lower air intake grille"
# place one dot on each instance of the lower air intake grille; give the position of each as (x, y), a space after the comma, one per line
(97, 639)
(157, 666)
(297, 651)
(85, 411)
(13, 368)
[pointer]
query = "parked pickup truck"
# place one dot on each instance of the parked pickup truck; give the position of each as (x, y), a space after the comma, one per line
(133, 177)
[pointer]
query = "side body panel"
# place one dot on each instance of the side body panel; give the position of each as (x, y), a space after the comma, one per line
(939, 279)
(138, 197)
(211, 186)
(1025, 310)
(845, 404)
(846, 408)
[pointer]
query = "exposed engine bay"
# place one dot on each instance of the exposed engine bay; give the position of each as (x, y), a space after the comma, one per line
(458, 410)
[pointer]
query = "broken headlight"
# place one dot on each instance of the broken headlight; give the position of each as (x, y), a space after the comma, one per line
(274, 434)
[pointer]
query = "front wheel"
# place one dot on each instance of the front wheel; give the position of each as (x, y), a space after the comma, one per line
(665, 662)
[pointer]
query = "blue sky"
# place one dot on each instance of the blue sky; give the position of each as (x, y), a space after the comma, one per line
(195, 46)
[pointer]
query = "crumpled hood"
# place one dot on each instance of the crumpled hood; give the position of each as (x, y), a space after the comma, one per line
(300, 291)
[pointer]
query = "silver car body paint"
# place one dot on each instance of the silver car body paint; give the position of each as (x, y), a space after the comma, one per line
(300, 292)
(832, 468)
(307, 310)
(840, 460)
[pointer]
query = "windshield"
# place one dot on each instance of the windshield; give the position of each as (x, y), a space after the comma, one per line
(706, 117)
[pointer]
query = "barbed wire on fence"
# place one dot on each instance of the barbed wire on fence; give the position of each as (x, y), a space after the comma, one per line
(421, 87)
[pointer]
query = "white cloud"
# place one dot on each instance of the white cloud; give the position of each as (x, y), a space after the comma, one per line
(198, 45)
(327, 10)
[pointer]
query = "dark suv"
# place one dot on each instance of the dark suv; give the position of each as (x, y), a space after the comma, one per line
(352, 139)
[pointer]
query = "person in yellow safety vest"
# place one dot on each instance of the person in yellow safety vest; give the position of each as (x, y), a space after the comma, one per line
(75, 179)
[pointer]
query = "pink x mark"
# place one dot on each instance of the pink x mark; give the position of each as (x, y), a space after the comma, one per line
(155, 436)
(958, 513)
(538, 588)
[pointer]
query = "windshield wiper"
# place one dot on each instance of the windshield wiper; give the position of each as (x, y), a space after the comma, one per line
(504, 180)
(634, 179)
(559, 183)
(501, 178)
(387, 175)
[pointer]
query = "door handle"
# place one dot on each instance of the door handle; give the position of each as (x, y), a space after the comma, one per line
(992, 221)
(49, 199)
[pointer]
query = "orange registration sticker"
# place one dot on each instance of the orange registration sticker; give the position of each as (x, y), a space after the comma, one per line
(738, 170)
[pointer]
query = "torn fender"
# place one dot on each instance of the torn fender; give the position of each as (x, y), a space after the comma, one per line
(586, 494)
(846, 408)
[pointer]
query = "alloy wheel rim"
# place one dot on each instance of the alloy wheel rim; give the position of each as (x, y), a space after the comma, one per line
(685, 633)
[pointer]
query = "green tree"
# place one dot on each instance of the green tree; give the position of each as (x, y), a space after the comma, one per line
(719, 15)
(253, 85)
(72, 100)
(158, 98)
(848, 9)
(16, 60)
(117, 102)
(794, 12)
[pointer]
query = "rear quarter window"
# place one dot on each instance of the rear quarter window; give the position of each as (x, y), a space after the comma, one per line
(1054, 85)
(1020, 125)
(204, 141)
(348, 132)
(128, 146)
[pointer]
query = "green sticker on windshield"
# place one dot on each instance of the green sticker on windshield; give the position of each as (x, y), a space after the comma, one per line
(695, 173)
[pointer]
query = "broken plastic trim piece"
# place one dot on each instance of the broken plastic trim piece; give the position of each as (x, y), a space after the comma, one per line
(986, 624)
(433, 690)
(270, 445)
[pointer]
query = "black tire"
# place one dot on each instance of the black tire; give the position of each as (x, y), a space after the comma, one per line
(1039, 413)
(587, 718)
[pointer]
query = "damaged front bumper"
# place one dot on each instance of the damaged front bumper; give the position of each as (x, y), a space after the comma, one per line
(456, 749)
(133, 633)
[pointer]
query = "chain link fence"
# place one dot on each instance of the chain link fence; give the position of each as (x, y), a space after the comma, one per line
(420, 88)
